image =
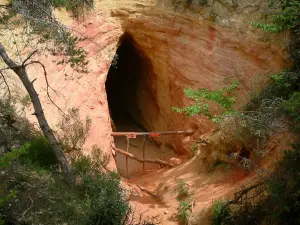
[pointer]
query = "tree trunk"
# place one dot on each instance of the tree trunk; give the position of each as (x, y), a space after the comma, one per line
(20, 70)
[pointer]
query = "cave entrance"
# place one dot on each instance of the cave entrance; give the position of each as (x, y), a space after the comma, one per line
(123, 86)
(126, 85)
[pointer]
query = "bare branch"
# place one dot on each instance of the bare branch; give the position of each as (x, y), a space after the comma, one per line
(29, 56)
(11, 64)
(47, 84)
(6, 84)
(241, 193)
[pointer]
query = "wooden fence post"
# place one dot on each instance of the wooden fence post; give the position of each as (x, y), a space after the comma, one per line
(144, 147)
(127, 150)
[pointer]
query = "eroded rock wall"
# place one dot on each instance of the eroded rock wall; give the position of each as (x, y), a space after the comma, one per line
(184, 50)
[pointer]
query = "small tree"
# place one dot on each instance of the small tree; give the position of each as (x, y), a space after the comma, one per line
(39, 22)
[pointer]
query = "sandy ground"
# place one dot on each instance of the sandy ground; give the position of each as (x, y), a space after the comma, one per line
(161, 205)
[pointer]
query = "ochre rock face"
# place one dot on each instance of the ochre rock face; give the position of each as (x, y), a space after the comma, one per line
(189, 53)
(179, 52)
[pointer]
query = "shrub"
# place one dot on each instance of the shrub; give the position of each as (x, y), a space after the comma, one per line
(183, 190)
(276, 200)
(14, 128)
(284, 189)
(184, 211)
(38, 152)
(50, 34)
(73, 132)
(103, 191)
(222, 97)
(76, 7)
(287, 17)
(292, 107)
(9, 157)
(4, 200)
(107, 204)
(97, 199)
(220, 212)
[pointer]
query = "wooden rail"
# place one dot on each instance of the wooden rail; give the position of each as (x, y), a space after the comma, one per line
(130, 135)
(151, 134)
(157, 161)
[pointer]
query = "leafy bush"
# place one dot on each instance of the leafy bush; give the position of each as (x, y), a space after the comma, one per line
(220, 212)
(107, 205)
(14, 128)
(76, 7)
(4, 199)
(183, 190)
(276, 202)
(38, 152)
(98, 197)
(35, 152)
(284, 189)
(221, 97)
(288, 17)
(292, 107)
(184, 211)
(104, 194)
(73, 132)
(10, 157)
(52, 36)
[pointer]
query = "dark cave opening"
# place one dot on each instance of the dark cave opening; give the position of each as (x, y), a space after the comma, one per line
(123, 85)
(130, 95)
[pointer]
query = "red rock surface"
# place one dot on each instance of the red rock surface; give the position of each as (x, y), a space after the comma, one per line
(183, 52)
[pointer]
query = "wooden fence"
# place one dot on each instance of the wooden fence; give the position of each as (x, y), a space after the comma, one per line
(130, 135)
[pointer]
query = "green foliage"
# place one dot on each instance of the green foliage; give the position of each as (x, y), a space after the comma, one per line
(4, 199)
(42, 9)
(220, 212)
(86, 165)
(73, 131)
(282, 85)
(219, 165)
(106, 199)
(7, 198)
(183, 190)
(10, 157)
(287, 18)
(64, 45)
(271, 27)
(98, 197)
(292, 107)
(76, 7)
(222, 97)
(103, 191)
(284, 190)
(14, 128)
(283, 88)
(36, 152)
(81, 166)
(278, 203)
(184, 211)
(51, 34)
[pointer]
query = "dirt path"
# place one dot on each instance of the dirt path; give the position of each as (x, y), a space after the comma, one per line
(204, 188)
